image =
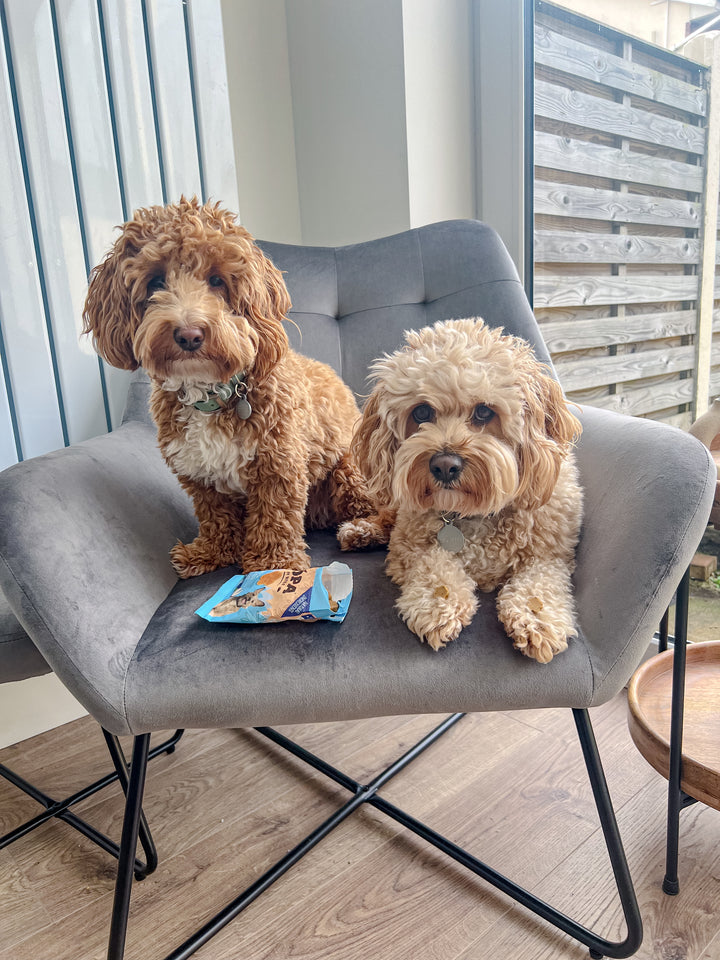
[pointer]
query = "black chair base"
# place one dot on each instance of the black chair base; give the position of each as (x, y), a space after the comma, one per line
(60, 809)
(598, 946)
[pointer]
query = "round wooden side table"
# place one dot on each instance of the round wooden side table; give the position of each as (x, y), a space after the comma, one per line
(674, 721)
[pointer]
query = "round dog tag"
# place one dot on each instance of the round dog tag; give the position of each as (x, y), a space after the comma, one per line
(450, 538)
(243, 408)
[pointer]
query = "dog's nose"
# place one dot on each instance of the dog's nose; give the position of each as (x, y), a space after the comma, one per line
(189, 338)
(446, 467)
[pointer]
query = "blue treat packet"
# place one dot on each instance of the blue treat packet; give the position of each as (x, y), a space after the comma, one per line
(271, 596)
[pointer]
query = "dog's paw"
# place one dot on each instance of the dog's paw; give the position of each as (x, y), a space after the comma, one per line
(538, 639)
(538, 618)
(362, 533)
(440, 618)
(439, 636)
(198, 557)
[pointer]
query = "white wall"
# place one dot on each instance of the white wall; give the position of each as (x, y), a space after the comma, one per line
(258, 69)
(31, 706)
(439, 109)
(346, 73)
(499, 121)
(377, 104)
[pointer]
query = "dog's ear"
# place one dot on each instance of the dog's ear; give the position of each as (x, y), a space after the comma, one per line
(374, 446)
(109, 314)
(550, 431)
(262, 297)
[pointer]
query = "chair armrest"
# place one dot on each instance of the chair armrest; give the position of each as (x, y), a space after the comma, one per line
(84, 539)
(648, 492)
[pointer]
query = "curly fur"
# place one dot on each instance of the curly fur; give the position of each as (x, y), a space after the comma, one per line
(516, 498)
(187, 294)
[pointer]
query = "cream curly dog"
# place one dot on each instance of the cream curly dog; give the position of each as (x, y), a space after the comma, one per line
(257, 434)
(469, 440)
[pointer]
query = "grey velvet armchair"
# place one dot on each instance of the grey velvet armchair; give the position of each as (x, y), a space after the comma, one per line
(85, 534)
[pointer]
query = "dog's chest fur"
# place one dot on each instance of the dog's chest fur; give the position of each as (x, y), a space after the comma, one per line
(206, 452)
(488, 555)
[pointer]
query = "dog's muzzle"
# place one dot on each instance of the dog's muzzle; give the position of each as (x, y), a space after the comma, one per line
(189, 338)
(446, 467)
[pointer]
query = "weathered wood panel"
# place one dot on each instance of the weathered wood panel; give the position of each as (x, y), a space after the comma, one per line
(597, 371)
(568, 200)
(584, 60)
(647, 399)
(595, 159)
(570, 106)
(564, 336)
(570, 291)
(641, 401)
(564, 247)
(620, 155)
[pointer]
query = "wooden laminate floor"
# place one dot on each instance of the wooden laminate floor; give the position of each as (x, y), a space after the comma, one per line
(226, 804)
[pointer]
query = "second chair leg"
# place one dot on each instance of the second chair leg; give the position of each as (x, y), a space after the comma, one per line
(146, 840)
(677, 798)
(128, 845)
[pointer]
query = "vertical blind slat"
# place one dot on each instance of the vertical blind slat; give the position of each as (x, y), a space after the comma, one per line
(173, 98)
(212, 101)
(25, 339)
(132, 102)
(103, 91)
(56, 215)
(100, 201)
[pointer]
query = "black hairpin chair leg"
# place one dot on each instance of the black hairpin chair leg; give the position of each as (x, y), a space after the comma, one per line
(61, 808)
(128, 844)
(120, 763)
(677, 798)
(368, 793)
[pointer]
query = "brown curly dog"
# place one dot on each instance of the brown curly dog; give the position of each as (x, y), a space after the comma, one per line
(257, 434)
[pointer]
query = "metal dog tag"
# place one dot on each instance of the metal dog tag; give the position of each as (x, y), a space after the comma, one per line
(243, 408)
(450, 538)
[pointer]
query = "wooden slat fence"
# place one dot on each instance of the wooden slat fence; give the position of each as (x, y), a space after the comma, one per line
(105, 106)
(621, 145)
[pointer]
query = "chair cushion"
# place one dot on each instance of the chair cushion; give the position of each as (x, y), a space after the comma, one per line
(213, 674)
(19, 657)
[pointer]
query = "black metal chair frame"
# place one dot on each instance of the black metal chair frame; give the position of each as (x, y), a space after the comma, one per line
(677, 798)
(368, 793)
(60, 809)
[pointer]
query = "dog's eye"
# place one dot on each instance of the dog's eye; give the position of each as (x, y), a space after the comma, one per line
(423, 413)
(216, 281)
(482, 414)
(155, 283)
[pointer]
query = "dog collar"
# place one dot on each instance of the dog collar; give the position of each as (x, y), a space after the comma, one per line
(221, 395)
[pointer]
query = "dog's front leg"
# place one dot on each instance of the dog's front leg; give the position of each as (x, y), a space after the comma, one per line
(437, 597)
(536, 608)
(275, 521)
(219, 541)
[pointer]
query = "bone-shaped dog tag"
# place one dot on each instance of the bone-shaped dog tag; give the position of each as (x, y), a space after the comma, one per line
(450, 538)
